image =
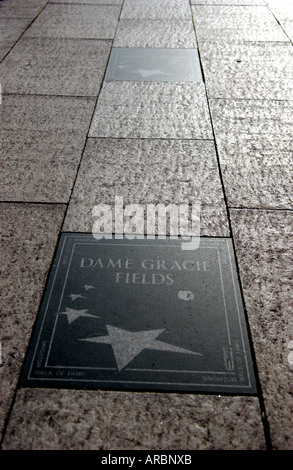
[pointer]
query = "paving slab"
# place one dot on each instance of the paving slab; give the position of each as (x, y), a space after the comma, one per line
(28, 238)
(156, 9)
(90, 2)
(255, 145)
(263, 241)
(236, 23)
(228, 2)
(148, 171)
(85, 420)
(226, 66)
(76, 21)
(152, 110)
(282, 10)
(159, 33)
(47, 66)
(10, 30)
(288, 28)
(42, 141)
(23, 9)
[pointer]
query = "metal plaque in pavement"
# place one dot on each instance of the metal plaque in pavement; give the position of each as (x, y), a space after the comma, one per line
(141, 314)
(145, 64)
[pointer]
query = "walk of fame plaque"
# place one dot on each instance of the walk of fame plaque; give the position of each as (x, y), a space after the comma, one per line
(141, 314)
(154, 65)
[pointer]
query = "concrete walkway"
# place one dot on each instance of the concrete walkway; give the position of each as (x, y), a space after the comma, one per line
(70, 140)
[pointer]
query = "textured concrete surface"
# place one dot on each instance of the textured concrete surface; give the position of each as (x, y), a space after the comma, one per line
(17, 9)
(228, 2)
(10, 30)
(255, 142)
(236, 23)
(149, 171)
(258, 70)
(96, 420)
(152, 110)
(73, 21)
(28, 239)
(92, 2)
(161, 33)
(71, 140)
(42, 139)
(264, 249)
(164, 9)
(53, 66)
(282, 10)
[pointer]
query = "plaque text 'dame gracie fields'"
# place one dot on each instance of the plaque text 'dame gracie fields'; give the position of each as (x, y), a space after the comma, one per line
(141, 314)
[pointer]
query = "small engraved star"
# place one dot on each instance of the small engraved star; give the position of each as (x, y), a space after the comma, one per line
(88, 287)
(73, 314)
(76, 296)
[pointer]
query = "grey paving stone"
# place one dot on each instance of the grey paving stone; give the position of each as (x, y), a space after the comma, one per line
(288, 28)
(248, 71)
(228, 2)
(91, 2)
(21, 9)
(148, 171)
(283, 11)
(159, 33)
(255, 145)
(28, 237)
(42, 141)
(152, 110)
(263, 241)
(236, 23)
(83, 420)
(76, 21)
(156, 9)
(10, 31)
(49, 66)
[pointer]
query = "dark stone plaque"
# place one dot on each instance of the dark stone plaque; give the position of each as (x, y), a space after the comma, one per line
(147, 65)
(141, 314)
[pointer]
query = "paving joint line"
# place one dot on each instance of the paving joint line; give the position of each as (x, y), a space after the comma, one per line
(263, 413)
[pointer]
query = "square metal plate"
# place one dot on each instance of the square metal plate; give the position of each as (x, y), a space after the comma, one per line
(141, 314)
(154, 65)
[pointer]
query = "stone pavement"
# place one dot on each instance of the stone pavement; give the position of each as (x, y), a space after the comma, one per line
(71, 139)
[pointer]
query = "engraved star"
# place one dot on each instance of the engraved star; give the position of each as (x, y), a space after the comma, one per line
(73, 314)
(88, 287)
(76, 296)
(127, 345)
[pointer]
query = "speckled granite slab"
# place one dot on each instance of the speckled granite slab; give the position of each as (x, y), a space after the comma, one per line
(149, 171)
(264, 249)
(164, 9)
(42, 155)
(76, 21)
(255, 145)
(29, 234)
(95, 420)
(236, 23)
(255, 70)
(49, 66)
(159, 33)
(152, 110)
